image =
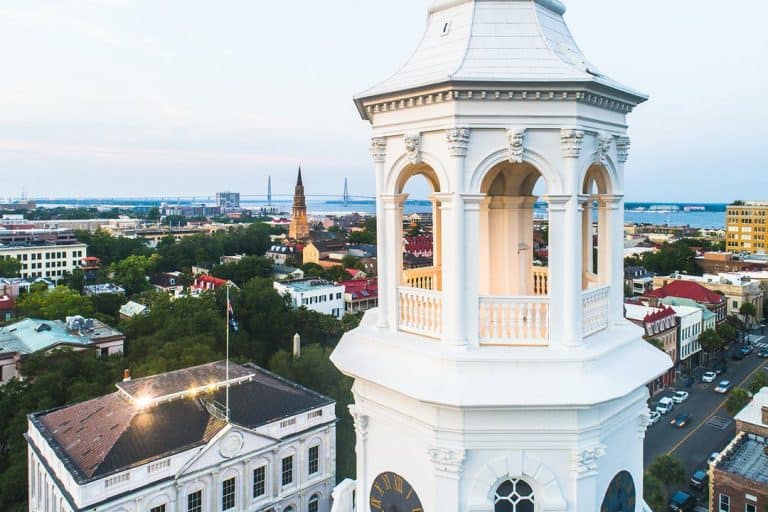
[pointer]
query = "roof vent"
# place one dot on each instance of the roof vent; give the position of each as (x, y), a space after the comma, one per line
(43, 327)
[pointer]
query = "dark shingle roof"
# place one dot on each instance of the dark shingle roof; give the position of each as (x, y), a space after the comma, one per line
(113, 433)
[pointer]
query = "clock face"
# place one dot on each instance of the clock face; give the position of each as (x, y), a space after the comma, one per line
(620, 496)
(392, 493)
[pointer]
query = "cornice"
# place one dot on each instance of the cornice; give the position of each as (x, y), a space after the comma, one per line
(501, 93)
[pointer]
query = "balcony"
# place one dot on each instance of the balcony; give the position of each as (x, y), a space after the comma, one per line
(421, 311)
(519, 321)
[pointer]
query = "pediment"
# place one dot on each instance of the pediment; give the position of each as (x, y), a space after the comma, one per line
(231, 443)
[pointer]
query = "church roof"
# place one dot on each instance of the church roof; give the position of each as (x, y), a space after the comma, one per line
(508, 41)
(118, 431)
(687, 290)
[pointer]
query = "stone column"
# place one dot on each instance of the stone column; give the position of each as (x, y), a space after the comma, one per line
(448, 464)
(484, 248)
(612, 207)
(472, 203)
(379, 154)
(437, 230)
(361, 450)
(454, 257)
(392, 246)
(588, 241)
(558, 252)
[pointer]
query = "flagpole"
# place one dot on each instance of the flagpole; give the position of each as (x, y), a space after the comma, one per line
(227, 362)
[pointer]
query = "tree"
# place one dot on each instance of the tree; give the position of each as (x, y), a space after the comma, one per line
(131, 273)
(75, 281)
(9, 267)
(244, 270)
(669, 472)
(727, 333)
(110, 249)
(737, 401)
(759, 382)
(55, 304)
(653, 492)
(711, 342)
(748, 311)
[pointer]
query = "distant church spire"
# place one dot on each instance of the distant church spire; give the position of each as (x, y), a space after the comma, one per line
(299, 229)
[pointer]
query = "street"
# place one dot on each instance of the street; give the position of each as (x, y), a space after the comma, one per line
(711, 427)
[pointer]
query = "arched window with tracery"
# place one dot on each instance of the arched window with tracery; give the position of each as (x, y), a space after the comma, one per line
(514, 495)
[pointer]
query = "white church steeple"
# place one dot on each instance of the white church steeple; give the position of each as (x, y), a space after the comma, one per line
(505, 370)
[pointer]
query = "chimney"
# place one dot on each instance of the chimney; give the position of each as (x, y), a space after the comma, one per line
(126, 375)
(296, 346)
(765, 416)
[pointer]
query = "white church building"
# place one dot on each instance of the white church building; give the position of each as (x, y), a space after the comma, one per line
(491, 384)
(165, 443)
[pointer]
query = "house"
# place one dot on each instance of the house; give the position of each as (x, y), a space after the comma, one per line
(168, 282)
(360, 294)
(356, 273)
(31, 335)
(314, 294)
(687, 289)
(92, 290)
(659, 324)
(132, 309)
(280, 254)
(199, 439)
(638, 280)
(318, 250)
(739, 476)
(420, 246)
(231, 259)
(206, 283)
(90, 265)
(283, 272)
(7, 308)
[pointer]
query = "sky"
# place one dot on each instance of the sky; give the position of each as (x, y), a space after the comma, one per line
(120, 98)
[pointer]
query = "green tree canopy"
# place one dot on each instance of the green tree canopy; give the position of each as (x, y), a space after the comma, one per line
(670, 258)
(711, 341)
(55, 304)
(738, 399)
(9, 267)
(654, 492)
(669, 471)
(131, 273)
(110, 249)
(244, 270)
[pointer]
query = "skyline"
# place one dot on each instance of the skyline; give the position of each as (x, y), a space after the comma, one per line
(158, 102)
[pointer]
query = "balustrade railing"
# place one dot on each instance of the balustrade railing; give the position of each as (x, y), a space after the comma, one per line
(595, 304)
(540, 281)
(425, 278)
(421, 311)
(514, 321)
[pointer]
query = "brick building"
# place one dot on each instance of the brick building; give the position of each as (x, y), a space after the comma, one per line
(739, 476)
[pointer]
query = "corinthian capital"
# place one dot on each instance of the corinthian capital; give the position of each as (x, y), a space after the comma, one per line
(458, 141)
(378, 149)
(623, 144)
(571, 141)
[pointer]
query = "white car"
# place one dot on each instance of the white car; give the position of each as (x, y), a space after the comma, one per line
(665, 405)
(680, 397)
(709, 377)
(723, 387)
(712, 458)
(653, 418)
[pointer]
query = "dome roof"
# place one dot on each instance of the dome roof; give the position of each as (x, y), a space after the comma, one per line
(496, 41)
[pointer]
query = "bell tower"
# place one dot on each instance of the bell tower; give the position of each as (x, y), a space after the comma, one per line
(299, 228)
(504, 377)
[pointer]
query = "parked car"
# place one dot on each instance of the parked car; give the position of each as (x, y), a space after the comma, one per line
(682, 502)
(680, 396)
(681, 420)
(721, 368)
(746, 349)
(763, 354)
(709, 377)
(712, 457)
(723, 387)
(699, 479)
(665, 405)
(653, 418)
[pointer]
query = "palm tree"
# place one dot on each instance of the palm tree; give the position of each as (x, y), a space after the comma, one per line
(668, 471)
(653, 492)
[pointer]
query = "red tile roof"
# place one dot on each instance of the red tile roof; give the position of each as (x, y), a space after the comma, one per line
(206, 282)
(361, 289)
(663, 312)
(687, 290)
